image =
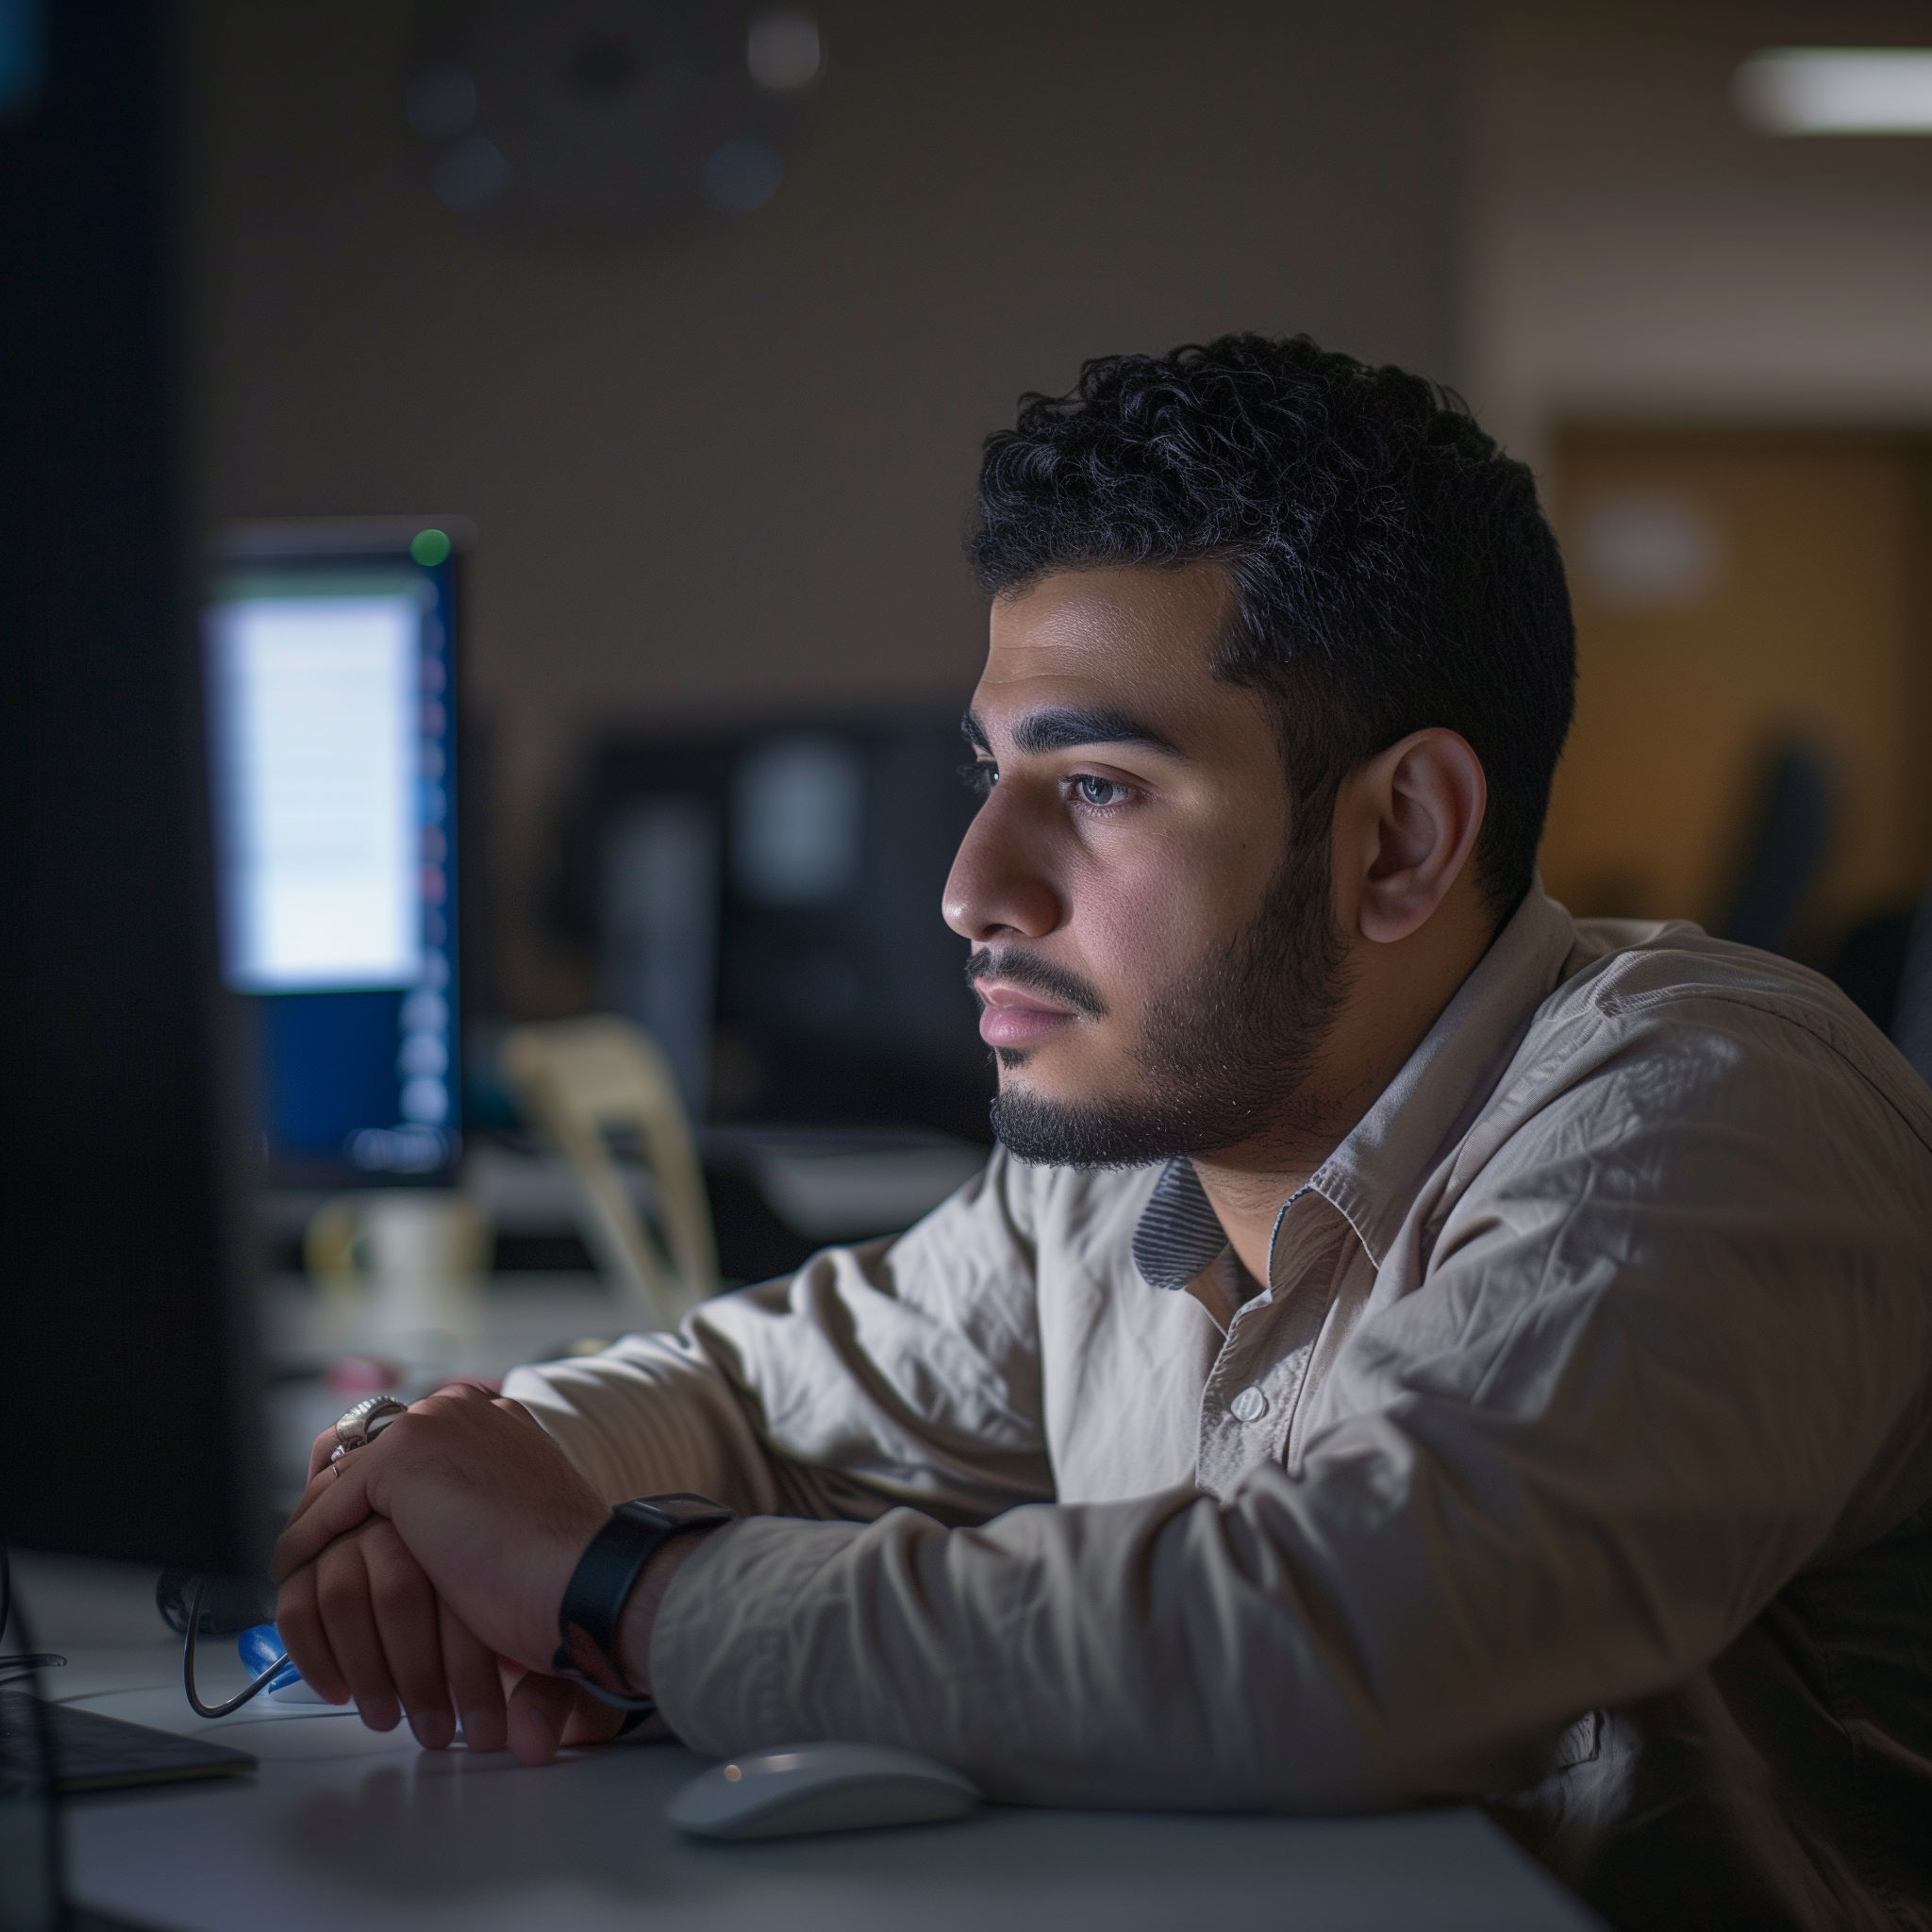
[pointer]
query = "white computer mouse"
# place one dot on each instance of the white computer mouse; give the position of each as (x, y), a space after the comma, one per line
(800, 1788)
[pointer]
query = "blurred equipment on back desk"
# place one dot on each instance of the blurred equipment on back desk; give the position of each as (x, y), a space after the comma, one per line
(1788, 835)
(400, 1272)
(766, 904)
(1912, 1016)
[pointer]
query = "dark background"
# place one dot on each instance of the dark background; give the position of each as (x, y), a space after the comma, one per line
(725, 472)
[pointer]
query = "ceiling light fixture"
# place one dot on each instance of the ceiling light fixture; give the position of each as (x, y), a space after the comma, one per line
(1836, 90)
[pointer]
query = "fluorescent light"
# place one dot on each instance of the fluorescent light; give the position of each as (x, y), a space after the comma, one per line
(1836, 90)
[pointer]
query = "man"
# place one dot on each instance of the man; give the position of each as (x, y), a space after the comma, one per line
(1407, 1346)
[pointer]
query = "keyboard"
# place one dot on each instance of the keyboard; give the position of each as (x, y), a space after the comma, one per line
(93, 1753)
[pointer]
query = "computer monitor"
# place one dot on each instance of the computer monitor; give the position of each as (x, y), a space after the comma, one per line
(131, 1423)
(332, 673)
(766, 902)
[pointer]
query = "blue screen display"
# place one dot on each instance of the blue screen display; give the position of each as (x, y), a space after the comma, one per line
(331, 685)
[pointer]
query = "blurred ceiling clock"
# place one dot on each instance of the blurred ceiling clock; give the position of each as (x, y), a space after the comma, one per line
(613, 116)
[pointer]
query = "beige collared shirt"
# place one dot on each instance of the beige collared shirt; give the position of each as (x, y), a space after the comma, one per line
(1588, 1406)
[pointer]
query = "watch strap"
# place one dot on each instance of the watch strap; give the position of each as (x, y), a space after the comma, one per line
(601, 1586)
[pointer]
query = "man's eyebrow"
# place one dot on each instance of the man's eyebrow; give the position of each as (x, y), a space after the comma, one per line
(1064, 727)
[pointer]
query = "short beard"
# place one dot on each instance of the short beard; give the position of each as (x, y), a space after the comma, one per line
(1227, 1050)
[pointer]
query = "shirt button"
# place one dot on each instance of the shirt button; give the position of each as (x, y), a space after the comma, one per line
(1250, 1406)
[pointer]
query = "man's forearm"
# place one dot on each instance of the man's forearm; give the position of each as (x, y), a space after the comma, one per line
(1333, 1642)
(645, 1419)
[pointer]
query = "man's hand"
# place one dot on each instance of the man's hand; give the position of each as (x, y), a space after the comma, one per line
(484, 1500)
(321, 1451)
(362, 1621)
(410, 1565)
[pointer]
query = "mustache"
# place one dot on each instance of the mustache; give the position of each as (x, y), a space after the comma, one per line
(1035, 975)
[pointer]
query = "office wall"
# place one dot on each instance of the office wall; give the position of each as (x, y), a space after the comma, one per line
(1638, 253)
(731, 473)
(1739, 591)
(1646, 278)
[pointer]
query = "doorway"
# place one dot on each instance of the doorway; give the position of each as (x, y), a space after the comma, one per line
(1745, 596)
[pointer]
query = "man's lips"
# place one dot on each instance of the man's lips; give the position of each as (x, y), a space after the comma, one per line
(1010, 1016)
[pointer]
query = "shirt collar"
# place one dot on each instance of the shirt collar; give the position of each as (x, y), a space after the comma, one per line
(1178, 1234)
(1372, 1176)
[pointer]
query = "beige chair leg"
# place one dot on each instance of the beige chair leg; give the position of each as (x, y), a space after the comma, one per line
(579, 1079)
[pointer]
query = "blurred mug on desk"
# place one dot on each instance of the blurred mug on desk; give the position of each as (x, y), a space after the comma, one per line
(401, 1273)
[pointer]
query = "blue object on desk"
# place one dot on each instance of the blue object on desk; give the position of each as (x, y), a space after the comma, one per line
(259, 1647)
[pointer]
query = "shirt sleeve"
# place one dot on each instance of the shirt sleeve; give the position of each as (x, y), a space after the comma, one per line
(897, 1372)
(1672, 1348)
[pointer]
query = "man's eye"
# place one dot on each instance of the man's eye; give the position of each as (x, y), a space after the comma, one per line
(1089, 790)
(979, 777)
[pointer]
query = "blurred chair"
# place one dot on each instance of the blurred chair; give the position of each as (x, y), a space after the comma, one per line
(579, 1081)
(1870, 963)
(1787, 843)
(1911, 1024)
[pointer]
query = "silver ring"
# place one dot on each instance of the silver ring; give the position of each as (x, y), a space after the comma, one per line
(359, 1425)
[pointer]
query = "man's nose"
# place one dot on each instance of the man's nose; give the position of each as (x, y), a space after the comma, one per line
(999, 886)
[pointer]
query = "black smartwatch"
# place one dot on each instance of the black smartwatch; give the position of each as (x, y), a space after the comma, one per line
(601, 1585)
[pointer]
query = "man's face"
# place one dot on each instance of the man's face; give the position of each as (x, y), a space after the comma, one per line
(1155, 957)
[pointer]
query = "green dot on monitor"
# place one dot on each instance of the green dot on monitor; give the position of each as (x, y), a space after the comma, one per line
(430, 546)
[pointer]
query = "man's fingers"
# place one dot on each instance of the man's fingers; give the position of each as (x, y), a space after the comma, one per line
(363, 1622)
(348, 1614)
(474, 1682)
(407, 1622)
(590, 1722)
(540, 1708)
(335, 1500)
(546, 1713)
(298, 1618)
(336, 1497)
(487, 1505)
(321, 1476)
(319, 1453)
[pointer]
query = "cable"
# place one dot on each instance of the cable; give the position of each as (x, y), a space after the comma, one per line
(20, 1664)
(29, 1771)
(235, 1703)
(374, 1413)
(24, 1663)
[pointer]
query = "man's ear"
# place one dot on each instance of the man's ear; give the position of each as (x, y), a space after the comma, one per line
(1413, 815)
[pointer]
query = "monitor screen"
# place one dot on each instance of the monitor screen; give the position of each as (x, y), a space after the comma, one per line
(331, 686)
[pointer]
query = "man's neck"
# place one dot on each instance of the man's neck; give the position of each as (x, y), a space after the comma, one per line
(1397, 993)
(1247, 1199)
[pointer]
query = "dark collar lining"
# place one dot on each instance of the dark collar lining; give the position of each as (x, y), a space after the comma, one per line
(1179, 1233)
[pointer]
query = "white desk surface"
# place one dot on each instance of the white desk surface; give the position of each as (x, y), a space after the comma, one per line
(344, 1828)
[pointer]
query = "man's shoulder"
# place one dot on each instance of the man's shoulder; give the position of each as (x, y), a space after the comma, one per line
(1624, 969)
(1633, 992)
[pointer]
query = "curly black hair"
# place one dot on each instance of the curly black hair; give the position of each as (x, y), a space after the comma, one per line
(1392, 567)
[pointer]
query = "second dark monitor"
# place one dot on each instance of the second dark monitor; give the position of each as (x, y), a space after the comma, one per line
(766, 901)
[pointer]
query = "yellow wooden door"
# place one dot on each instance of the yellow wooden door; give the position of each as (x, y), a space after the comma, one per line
(1734, 591)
